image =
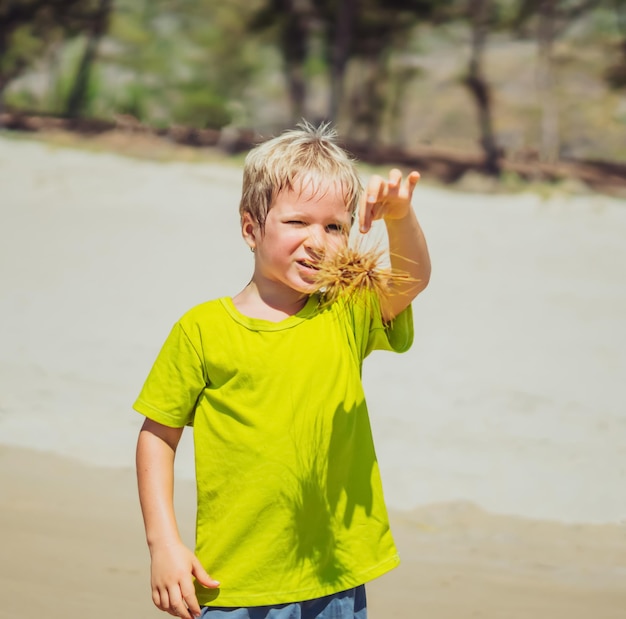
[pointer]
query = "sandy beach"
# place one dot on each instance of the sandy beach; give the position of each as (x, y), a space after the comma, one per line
(72, 544)
(501, 434)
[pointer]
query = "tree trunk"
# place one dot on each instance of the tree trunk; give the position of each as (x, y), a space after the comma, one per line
(368, 99)
(478, 86)
(294, 74)
(2, 87)
(399, 82)
(340, 53)
(3, 82)
(620, 18)
(77, 99)
(295, 40)
(378, 92)
(550, 130)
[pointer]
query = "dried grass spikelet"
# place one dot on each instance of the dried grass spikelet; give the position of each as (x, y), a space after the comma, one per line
(357, 272)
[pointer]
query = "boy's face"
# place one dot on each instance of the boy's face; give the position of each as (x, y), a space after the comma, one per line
(301, 227)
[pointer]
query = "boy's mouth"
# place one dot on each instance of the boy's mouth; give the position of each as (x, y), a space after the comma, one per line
(308, 265)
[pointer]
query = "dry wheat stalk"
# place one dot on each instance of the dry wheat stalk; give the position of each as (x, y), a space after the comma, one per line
(357, 272)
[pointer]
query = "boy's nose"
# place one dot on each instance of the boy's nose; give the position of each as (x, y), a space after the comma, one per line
(315, 240)
(315, 244)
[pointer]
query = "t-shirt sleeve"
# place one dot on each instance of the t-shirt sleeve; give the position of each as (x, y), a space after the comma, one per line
(372, 333)
(174, 383)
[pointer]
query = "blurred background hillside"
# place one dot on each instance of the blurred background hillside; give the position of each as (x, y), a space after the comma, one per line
(497, 80)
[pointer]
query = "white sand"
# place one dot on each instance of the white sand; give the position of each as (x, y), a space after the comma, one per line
(512, 397)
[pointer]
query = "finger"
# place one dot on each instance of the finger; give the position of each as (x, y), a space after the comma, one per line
(189, 596)
(202, 576)
(365, 214)
(411, 181)
(383, 190)
(177, 606)
(156, 598)
(375, 189)
(395, 180)
(377, 211)
(179, 609)
(163, 599)
(193, 605)
(172, 610)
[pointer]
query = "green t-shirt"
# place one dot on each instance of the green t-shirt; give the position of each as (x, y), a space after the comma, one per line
(290, 501)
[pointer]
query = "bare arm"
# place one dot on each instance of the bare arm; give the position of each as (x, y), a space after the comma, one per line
(173, 564)
(391, 200)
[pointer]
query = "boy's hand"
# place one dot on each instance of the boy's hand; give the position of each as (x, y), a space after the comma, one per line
(172, 584)
(386, 199)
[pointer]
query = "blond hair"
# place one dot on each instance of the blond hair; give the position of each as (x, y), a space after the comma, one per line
(307, 154)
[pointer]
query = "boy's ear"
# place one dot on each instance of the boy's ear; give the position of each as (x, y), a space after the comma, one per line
(249, 230)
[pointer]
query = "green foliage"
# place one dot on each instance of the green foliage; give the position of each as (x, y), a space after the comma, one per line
(64, 83)
(182, 62)
(25, 46)
(133, 100)
(29, 27)
(209, 63)
(202, 109)
(128, 30)
(21, 98)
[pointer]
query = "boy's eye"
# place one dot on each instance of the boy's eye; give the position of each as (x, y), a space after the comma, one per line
(335, 228)
(295, 222)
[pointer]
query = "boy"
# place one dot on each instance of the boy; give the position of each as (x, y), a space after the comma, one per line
(290, 514)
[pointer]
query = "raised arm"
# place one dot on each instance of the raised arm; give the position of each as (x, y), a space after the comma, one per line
(173, 565)
(390, 200)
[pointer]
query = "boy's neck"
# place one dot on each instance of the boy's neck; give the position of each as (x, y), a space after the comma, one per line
(267, 304)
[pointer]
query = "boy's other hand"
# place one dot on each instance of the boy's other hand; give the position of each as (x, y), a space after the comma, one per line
(386, 199)
(173, 568)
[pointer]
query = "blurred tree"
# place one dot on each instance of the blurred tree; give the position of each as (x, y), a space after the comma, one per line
(140, 58)
(181, 61)
(341, 23)
(379, 27)
(363, 31)
(553, 18)
(29, 27)
(368, 33)
(480, 14)
(616, 73)
(222, 59)
(77, 100)
(546, 35)
(294, 24)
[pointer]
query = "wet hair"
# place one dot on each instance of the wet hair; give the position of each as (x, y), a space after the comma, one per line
(305, 157)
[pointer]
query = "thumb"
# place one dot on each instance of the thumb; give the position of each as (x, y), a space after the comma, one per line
(201, 575)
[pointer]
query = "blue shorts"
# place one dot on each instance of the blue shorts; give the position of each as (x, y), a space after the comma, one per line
(349, 604)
